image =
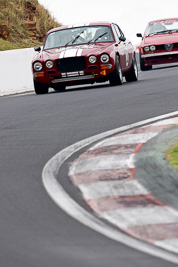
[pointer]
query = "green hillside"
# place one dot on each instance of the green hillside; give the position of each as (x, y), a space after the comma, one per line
(23, 24)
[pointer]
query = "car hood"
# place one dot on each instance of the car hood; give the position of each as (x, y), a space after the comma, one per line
(73, 51)
(158, 39)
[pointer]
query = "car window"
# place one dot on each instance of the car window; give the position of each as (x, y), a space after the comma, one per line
(162, 26)
(79, 35)
(118, 32)
(115, 33)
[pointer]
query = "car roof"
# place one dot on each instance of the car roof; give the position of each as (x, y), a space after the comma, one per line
(163, 19)
(80, 25)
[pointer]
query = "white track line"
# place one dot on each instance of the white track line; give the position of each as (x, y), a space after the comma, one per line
(65, 202)
(169, 244)
(130, 217)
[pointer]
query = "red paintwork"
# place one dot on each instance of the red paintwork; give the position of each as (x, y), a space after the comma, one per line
(157, 40)
(111, 48)
(165, 38)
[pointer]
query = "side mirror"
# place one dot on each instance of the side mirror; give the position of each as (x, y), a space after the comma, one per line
(37, 49)
(139, 35)
(122, 38)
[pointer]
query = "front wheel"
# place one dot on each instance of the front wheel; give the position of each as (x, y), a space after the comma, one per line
(142, 65)
(40, 88)
(116, 77)
(132, 74)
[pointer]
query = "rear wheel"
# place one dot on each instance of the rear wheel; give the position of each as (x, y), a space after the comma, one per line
(132, 74)
(116, 77)
(142, 65)
(40, 88)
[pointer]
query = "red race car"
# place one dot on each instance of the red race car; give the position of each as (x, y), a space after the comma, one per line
(159, 43)
(89, 53)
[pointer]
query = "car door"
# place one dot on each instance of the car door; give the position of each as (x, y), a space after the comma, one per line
(124, 48)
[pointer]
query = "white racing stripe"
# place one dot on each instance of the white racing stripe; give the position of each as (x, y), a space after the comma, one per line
(70, 52)
(62, 54)
(130, 217)
(79, 52)
(112, 188)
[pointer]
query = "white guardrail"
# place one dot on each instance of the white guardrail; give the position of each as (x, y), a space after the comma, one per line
(15, 71)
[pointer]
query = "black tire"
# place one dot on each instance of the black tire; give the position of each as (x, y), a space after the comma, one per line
(59, 87)
(40, 88)
(116, 77)
(142, 65)
(132, 74)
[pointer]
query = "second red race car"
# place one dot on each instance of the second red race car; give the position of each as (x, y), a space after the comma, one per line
(88, 53)
(159, 43)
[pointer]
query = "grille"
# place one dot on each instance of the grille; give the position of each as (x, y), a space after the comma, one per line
(162, 47)
(71, 64)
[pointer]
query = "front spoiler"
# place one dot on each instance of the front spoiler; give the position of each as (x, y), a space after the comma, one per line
(71, 79)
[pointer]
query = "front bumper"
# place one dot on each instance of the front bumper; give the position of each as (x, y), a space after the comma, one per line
(75, 74)
(159, 54)
(160, 58)
(74, 78)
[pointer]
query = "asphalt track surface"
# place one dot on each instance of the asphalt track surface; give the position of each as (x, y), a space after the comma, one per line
(33, 230)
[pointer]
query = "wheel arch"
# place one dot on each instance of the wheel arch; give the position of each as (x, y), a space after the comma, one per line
(117, 54)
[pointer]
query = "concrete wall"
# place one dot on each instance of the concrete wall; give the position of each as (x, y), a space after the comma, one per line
(15, 71)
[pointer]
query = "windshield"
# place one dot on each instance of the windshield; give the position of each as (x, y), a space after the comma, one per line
(162, 26)
(80, 35)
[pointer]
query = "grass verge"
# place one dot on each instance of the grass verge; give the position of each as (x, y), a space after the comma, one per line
(172, 156)
(15, 15)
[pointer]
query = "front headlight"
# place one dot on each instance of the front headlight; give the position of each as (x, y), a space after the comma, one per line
(104, 58)
(49, 64)
(152, 47)
(37, 66)
(92, 59)
(146, 48)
